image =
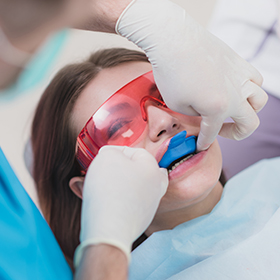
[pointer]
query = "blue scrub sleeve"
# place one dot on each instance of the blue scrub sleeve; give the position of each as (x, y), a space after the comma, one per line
(28, 248)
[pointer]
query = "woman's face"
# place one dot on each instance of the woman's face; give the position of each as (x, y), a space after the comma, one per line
(191, 181)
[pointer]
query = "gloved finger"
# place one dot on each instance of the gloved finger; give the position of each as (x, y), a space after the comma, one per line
(164, 180)
(256, 76)
(244, 124)
(108, 148)
(126, 151)
(122, 150)
(190, 111)
(255, 95)
(135, 154)
(209, 129)
(140, 155)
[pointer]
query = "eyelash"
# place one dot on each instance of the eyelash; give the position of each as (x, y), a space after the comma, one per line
(116, 126)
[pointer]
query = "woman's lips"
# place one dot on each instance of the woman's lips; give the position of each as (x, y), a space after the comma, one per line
(187, 165)
(164, 146)
(162, 149)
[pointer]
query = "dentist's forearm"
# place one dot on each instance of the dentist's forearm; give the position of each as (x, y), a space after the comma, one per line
(104, 15)
(102, 261)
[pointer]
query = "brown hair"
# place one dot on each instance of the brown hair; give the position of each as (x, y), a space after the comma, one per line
(53, 143)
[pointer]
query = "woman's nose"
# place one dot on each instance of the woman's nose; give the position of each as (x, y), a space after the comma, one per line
(161, 123)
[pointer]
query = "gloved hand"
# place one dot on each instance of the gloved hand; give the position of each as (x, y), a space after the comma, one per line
(122, 191)
(196, 73)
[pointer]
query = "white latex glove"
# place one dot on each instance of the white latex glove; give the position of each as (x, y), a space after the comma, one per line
(196, 73)
(122, 191)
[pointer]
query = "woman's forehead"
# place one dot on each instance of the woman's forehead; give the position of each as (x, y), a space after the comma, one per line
(105, 84)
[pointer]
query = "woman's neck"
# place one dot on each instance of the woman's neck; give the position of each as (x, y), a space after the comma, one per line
(171, 219)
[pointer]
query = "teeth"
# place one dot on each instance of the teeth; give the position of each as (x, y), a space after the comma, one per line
(180, 162)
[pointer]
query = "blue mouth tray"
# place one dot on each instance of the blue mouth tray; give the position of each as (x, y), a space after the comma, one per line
(178, 147)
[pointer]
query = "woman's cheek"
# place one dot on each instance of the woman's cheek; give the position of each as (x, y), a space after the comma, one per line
(195, 186)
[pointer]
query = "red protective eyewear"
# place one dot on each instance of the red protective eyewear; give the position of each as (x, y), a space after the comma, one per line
(120, 120)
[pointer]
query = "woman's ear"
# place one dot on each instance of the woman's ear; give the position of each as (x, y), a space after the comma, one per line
(76, 184)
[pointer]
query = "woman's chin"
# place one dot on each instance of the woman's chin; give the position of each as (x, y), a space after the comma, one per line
(183, 195)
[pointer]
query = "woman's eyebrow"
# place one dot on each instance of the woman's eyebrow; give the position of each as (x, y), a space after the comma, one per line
(119, 107)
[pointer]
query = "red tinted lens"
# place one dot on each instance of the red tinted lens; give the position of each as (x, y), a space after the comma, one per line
(119, 121)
